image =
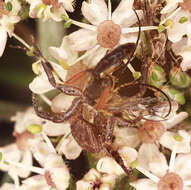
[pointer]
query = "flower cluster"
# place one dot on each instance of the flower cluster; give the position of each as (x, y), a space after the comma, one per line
(79, 105)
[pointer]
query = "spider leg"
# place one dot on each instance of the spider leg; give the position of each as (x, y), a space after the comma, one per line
(56, 117)
(66, 89)
(116, 156)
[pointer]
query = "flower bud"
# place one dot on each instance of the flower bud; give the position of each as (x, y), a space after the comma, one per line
(175, 94)
(179, 79)
(157, 75)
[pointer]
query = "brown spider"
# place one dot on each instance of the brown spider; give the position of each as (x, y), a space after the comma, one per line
(92, 119)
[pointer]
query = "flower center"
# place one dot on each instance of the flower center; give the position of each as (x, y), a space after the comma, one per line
(49, 179)
(171, 181)
(186, 5)
(96, 185)
(108, 34)
(151, 131)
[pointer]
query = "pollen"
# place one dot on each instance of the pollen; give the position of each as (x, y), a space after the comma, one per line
(108, 34)
(171, 181)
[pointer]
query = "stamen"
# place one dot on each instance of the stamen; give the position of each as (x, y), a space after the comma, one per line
(109, 10)
(187, 183)
(170, 16)
(136, 29)
(135, 74)
(83, 25)
(87, 54)
(49, 143)
(27, 167)
(148, 174)
(172, 161)
(21, 40)
(16, 180)
(45, 99)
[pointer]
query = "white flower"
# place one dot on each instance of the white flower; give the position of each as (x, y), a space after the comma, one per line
(7, 20)
(105, 30)
(69, 147)
(125, 136)
(153, 165)
(110, 166)
(178, 142)
(95, 180)
(10, 155)
(37, 182)
(40, 84)
(170, 6)
(57, 170)
(49, 9)
(183, 48)
(64, 54)
(178, 24)
(3, 40)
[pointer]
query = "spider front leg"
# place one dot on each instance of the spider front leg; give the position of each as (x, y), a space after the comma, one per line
(56, 117)
(66, 89)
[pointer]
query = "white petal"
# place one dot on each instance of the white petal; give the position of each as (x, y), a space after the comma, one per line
(69, 147)
(27, 161)
(3, 40)
(126, 137)
(186, 63)
(57, 14)
(82, 184)
(24, 119)
(183, 166)
(171, 5)
(109, 166)
(68, 4)
(177, 47)
(128, 154)
(82, 40)
(95, 11)
(168, 141)
(60, 176)
(124, 14)
(56, 129)
(189, 33)
(93, 59)
(175, 34)
(64, 52)
(159, 167)
(37, 182)
(174, 120)
(144, 184)
(41, 85)
(92, 175)
(41, 152)
(148, 153)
